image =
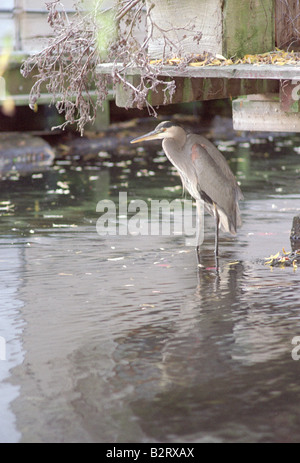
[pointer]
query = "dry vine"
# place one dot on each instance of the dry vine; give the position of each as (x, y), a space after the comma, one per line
(67, 67)
(288, 24)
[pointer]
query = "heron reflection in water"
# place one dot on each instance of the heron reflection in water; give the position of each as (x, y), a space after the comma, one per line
(205, 174)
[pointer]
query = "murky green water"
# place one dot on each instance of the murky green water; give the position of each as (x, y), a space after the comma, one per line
(120, 338)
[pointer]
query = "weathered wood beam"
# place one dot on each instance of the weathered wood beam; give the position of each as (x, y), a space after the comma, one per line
(248, 27)
(196, 89)
(230, 28)
(215, 82)
(263, 113)
(289, 96)
(235, 71)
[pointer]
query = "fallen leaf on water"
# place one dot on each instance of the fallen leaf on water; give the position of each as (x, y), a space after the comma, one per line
(288, 259)
(273, 256)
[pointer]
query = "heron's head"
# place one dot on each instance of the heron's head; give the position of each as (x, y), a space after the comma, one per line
(164, 130)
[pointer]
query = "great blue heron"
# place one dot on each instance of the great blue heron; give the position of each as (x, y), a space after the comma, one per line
(204, 173)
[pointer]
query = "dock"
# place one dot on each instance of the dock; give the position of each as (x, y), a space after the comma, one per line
(264, 95)
(24, 30)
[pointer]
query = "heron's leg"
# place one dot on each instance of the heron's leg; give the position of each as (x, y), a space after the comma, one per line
(217, 223)
(217, 236)
(200, 227)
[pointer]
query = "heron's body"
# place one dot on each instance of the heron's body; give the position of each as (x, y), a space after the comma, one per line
(204, 172)
(207, 176)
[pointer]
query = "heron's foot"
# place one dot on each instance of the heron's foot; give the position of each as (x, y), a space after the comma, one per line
(198, 256)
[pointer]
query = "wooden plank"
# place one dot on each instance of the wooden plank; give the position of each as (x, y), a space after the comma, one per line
(26, 22)
(248, 27)
(7, 29)
(179, 21)
(124, 96)
(289, 98)
(192, 83)
(231, 27)
(263, 114)
(194, 89)
(38, 5)
(238, 71)
(34, 31)
(18, 88)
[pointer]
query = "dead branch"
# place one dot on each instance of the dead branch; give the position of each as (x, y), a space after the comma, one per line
(67, 67)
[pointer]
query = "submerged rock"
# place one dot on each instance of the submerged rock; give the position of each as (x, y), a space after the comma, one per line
(295, 233)
(22, 153)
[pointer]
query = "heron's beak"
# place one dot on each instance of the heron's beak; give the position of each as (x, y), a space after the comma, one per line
(154, 135)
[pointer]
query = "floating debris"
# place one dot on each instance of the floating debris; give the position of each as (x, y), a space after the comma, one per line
(277, 57)
(22, 154)
(286, 259)
(58, 191)
(172, 188)
(64, 225)
(6, 206)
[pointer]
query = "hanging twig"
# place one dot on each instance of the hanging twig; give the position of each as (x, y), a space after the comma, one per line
(67, 67)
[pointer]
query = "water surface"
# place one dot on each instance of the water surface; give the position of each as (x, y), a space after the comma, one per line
(121, 338)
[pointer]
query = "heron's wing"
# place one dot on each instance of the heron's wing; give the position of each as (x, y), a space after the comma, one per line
(217, 157)
(216, 184)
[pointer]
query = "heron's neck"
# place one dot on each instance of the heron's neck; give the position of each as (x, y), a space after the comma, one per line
(179, 138)
(174, 148)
